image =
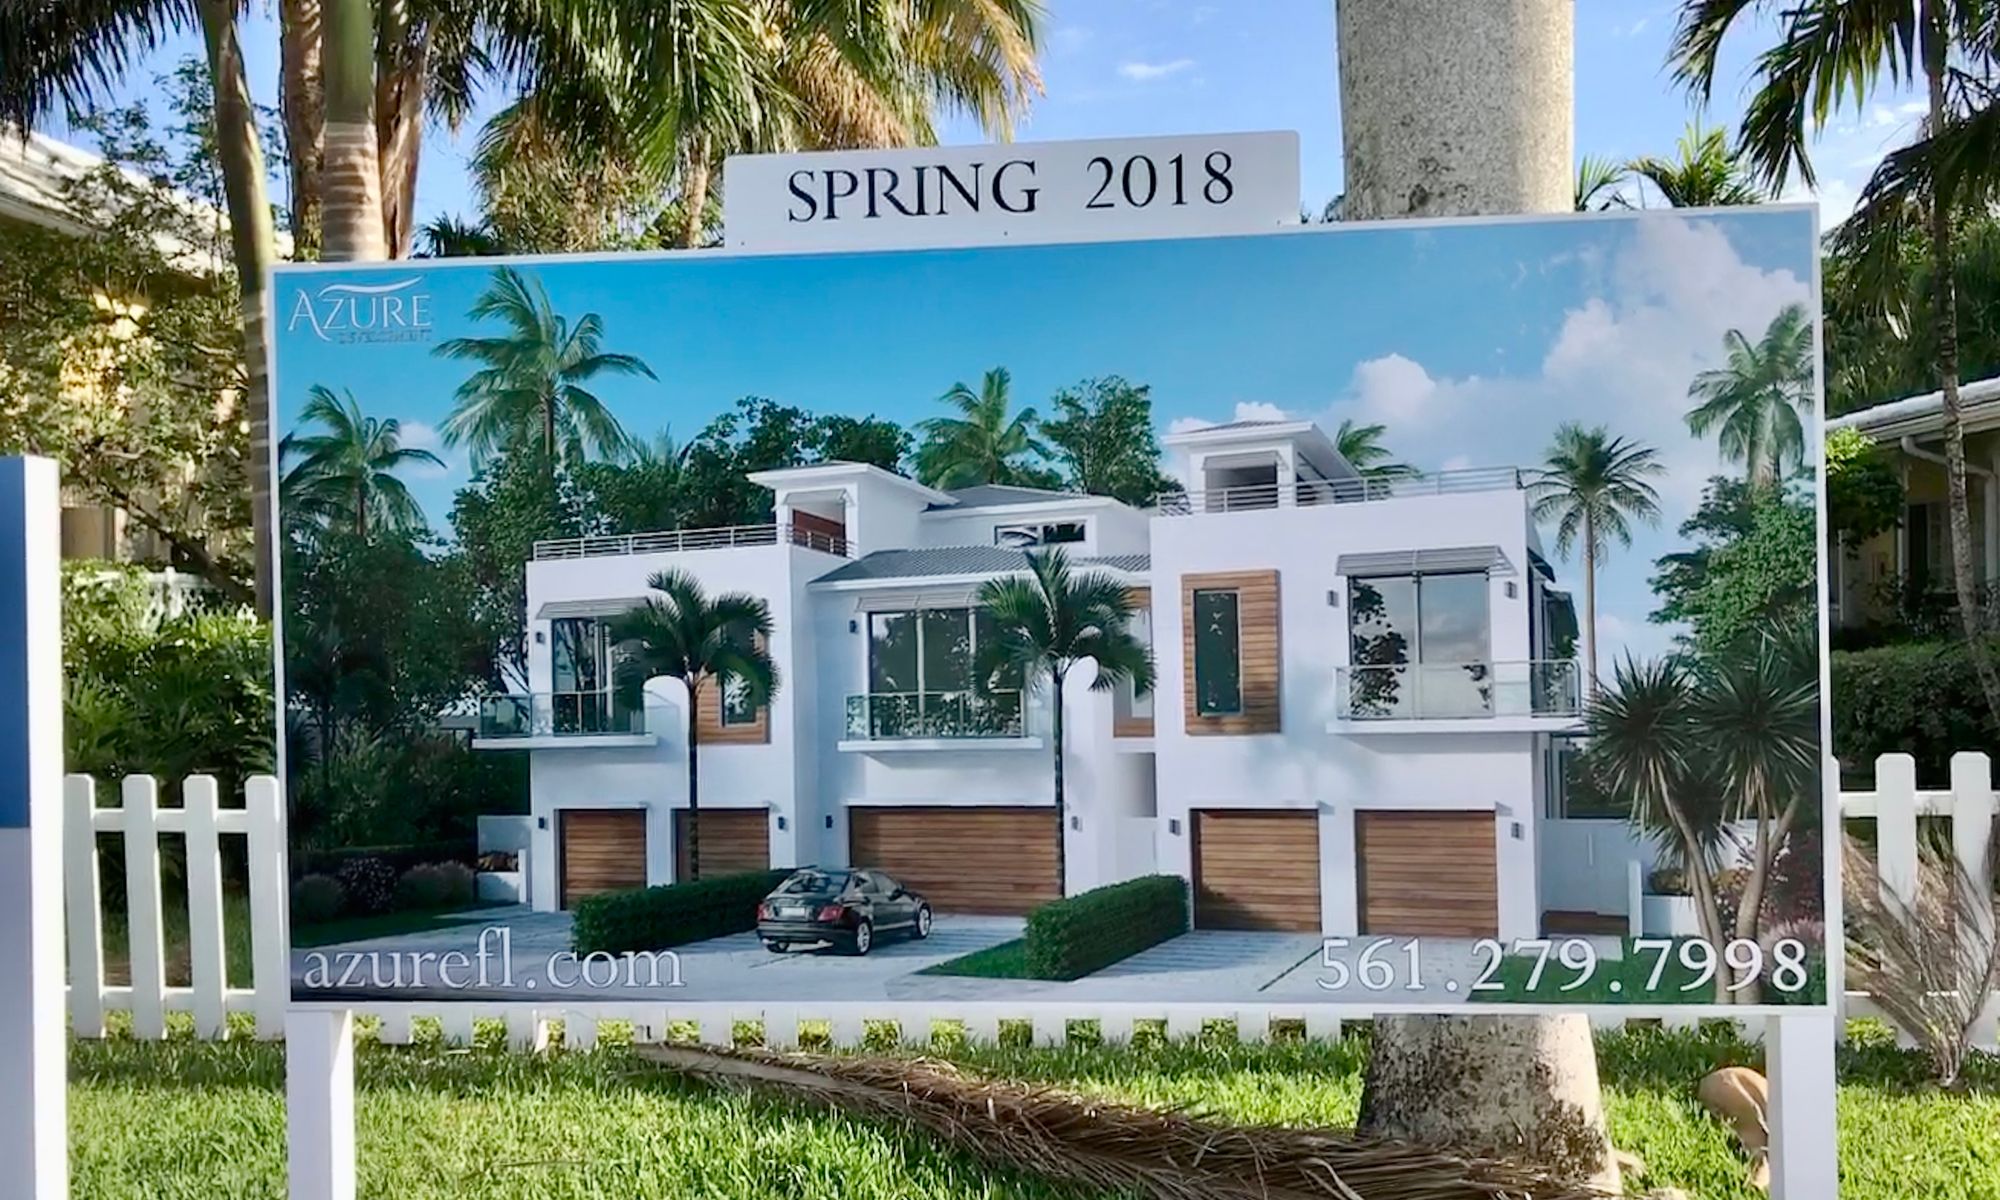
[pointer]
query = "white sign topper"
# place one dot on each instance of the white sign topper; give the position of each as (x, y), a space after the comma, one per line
(1026, 191)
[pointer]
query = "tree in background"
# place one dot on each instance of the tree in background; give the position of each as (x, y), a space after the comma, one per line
(1593, 486)
(1864, 489)
(1049, 621)
(1361, 446)
(1753, 403)
(1597, 181)
(1101, 434)
(530, 381)
(704, 641)
(1880, 345)
(495, 522)
(1831, 52)
(759, 434)
(346, 475)
(1705, 172)
(984, 444)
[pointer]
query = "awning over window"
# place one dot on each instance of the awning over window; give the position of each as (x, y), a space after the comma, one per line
(910, 599)
(610, 606)
(1448, 560)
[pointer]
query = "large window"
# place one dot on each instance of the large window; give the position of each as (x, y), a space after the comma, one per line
(1419, 645)
(1218, 654)
(1129, 703)
(586, 694)
(1050, 533)
(922, 676)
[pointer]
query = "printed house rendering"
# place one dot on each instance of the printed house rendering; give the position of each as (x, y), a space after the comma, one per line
(1348, 607)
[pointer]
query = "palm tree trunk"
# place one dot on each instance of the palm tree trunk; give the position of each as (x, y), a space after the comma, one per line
(353, 214)
(1062, 818)
(250, 242)
(1944, 292)
(403, 53)
(694, 789)
(1590, 602)
(694, 193)
(302, 99)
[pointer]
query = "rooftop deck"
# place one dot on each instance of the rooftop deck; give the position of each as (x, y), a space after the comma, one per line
(1310, 492)
(673, 541)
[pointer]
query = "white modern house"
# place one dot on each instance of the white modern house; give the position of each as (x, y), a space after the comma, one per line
(1362, 692)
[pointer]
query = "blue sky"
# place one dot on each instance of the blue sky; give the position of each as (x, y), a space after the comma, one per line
(1472, 342)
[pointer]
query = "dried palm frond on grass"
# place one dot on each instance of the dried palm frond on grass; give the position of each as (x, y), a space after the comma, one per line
(1118, 1148)
(1928, 964)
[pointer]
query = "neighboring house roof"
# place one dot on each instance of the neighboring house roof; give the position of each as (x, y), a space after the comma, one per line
(962, 560)
(1923, 415)
(985, 495)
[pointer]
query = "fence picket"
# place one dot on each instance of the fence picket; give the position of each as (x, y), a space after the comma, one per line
(1896, 826)
(208, 972)
(146, 947)
(82, 900)
(270, 938)
(1972, 826)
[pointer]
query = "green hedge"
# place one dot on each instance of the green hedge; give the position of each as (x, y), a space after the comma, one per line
(400, 857)
(1919, 698)
(1070, 938)
(657, 917)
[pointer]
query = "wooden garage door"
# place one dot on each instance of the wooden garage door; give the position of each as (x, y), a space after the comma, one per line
(732, 840)
(969, 860)
(603, 850)
(1256, 869)
(1428, 873)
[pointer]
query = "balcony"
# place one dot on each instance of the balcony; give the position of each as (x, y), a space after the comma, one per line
(673, 541)
(1308, 493)
(1531, 696)
(937, 720)
(548, 720)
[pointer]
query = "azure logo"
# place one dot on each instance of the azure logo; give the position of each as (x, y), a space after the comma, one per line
(359, 312)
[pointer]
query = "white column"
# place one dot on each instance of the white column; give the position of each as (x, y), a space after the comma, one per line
(34, 1140)
(1801, 1112)
(319, 1104)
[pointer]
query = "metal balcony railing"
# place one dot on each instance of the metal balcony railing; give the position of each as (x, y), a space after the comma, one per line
(1313, 492)
(1444, 691)
(889, 716)
(560, 714)
(674, 540)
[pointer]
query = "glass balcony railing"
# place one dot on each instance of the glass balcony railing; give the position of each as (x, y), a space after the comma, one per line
(888, 716)
(1445, 691)
(560, 714)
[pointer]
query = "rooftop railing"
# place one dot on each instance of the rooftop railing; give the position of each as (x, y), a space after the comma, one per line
(1457, 691)
(673, 541)
(1312, 492)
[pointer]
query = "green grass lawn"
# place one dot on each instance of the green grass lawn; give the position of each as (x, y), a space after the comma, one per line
(1008, 960)
(354, 929)
(188, 1121)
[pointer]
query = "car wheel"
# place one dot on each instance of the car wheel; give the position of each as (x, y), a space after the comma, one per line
(864, 938)
(776, 947)
(923, 925)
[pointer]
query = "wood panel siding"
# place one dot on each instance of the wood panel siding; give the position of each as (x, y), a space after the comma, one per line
(732, 840)
(1427, 873)
(1256, 869)
(969, 860)
(1127, 725)
(603, 850)
(1257, 654)
(708, 719)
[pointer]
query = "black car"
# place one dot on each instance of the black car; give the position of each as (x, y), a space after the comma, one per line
(844, 908)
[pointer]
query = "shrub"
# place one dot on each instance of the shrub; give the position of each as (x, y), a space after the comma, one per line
(1070, 938)
(434, 885)
(1921, 699)
(317, 898)
(671, 915)
(370, 884)
(399, 857)
(1668, 881)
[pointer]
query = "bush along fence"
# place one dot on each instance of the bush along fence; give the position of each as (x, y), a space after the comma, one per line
(1153, 907)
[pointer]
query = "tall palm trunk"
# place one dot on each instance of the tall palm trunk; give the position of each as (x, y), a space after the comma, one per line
(1590, 602)
(694, 789)
(352, 221)
(402, 61)
(302, 99)
(1944, 293)
(694, 193)
(1062, 817)
(251, 241)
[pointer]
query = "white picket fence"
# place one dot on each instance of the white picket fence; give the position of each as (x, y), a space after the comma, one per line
(1895, 805)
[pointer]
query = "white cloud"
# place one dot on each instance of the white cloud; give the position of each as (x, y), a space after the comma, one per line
(1246, 410)
(1146, 72)
(421, 435)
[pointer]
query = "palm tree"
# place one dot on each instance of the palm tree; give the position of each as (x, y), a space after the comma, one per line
(351, 172)
(1593, 487)
(1705, 172)
(530, 384)
(1597, 181)
(1361, 446)
(684, 633)
(984, 445)
(1755, 400)
(1049, 621)
(347, 475)
(1835, 51)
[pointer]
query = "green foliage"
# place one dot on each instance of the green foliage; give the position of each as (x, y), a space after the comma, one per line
(317, 898)
(370, 884)
(406, 789)
(434, 885)
(163, 696)
(1864, 490)
(1754, 403)
(1070, 938)
(985, 443)
(1705, 172)
(496, 522)
(1920, 698)
(1101, 434)
(655, 918)
(400, 857)
(345, 474)
(1361, 446)
(1754, 557)
(762, 435)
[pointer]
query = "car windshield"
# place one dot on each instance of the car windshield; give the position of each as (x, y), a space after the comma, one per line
(807, 882)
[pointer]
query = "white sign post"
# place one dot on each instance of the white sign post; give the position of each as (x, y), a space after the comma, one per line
(34, 1045)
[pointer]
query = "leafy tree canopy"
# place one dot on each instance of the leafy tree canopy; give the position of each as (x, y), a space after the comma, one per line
(1102, 436)
(1864, 491)
(1753, 563)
